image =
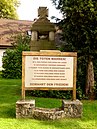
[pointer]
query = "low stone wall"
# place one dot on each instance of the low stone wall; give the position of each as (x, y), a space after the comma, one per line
(27, 109)
(48, 114)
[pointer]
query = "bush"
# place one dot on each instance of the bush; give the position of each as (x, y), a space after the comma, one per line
(51, 94)
(12, 59)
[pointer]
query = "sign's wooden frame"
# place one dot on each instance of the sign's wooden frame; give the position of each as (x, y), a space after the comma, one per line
(49, 53)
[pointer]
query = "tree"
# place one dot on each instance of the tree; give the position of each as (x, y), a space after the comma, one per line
(80, 29)
(8, 9)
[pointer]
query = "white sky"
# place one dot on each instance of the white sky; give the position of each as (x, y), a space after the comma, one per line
(28, 9)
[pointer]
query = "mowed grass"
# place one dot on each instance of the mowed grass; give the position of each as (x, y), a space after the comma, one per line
(10, 92)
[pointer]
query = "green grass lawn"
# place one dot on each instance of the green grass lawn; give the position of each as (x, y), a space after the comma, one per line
(10, 92)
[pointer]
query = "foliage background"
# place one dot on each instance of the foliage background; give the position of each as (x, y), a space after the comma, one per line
(80, 34)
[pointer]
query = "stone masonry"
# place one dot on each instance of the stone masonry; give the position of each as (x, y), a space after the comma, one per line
(24, 108)
(72, 108)
(27, 109)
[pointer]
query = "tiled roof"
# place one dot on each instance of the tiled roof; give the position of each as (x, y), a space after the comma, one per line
(9, 28)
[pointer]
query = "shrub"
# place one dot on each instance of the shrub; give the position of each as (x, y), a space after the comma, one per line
(12, 59)
(51, 94)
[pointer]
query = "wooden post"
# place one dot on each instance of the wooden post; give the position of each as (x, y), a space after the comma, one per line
(74, 78)
(23, 76)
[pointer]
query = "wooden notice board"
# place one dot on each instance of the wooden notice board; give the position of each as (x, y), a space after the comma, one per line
(49, 70)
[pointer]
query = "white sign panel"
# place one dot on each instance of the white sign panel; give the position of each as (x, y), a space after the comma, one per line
(48, 71)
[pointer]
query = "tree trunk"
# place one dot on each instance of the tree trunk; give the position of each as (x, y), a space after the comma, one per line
(90, 80)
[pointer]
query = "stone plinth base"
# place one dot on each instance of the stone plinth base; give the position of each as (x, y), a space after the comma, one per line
(24, 108)
(27, 109)
(72, 108)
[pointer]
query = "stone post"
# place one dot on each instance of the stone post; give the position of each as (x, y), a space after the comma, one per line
(72, 109)
(24, 108)
(51, 36)
(34, 36)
